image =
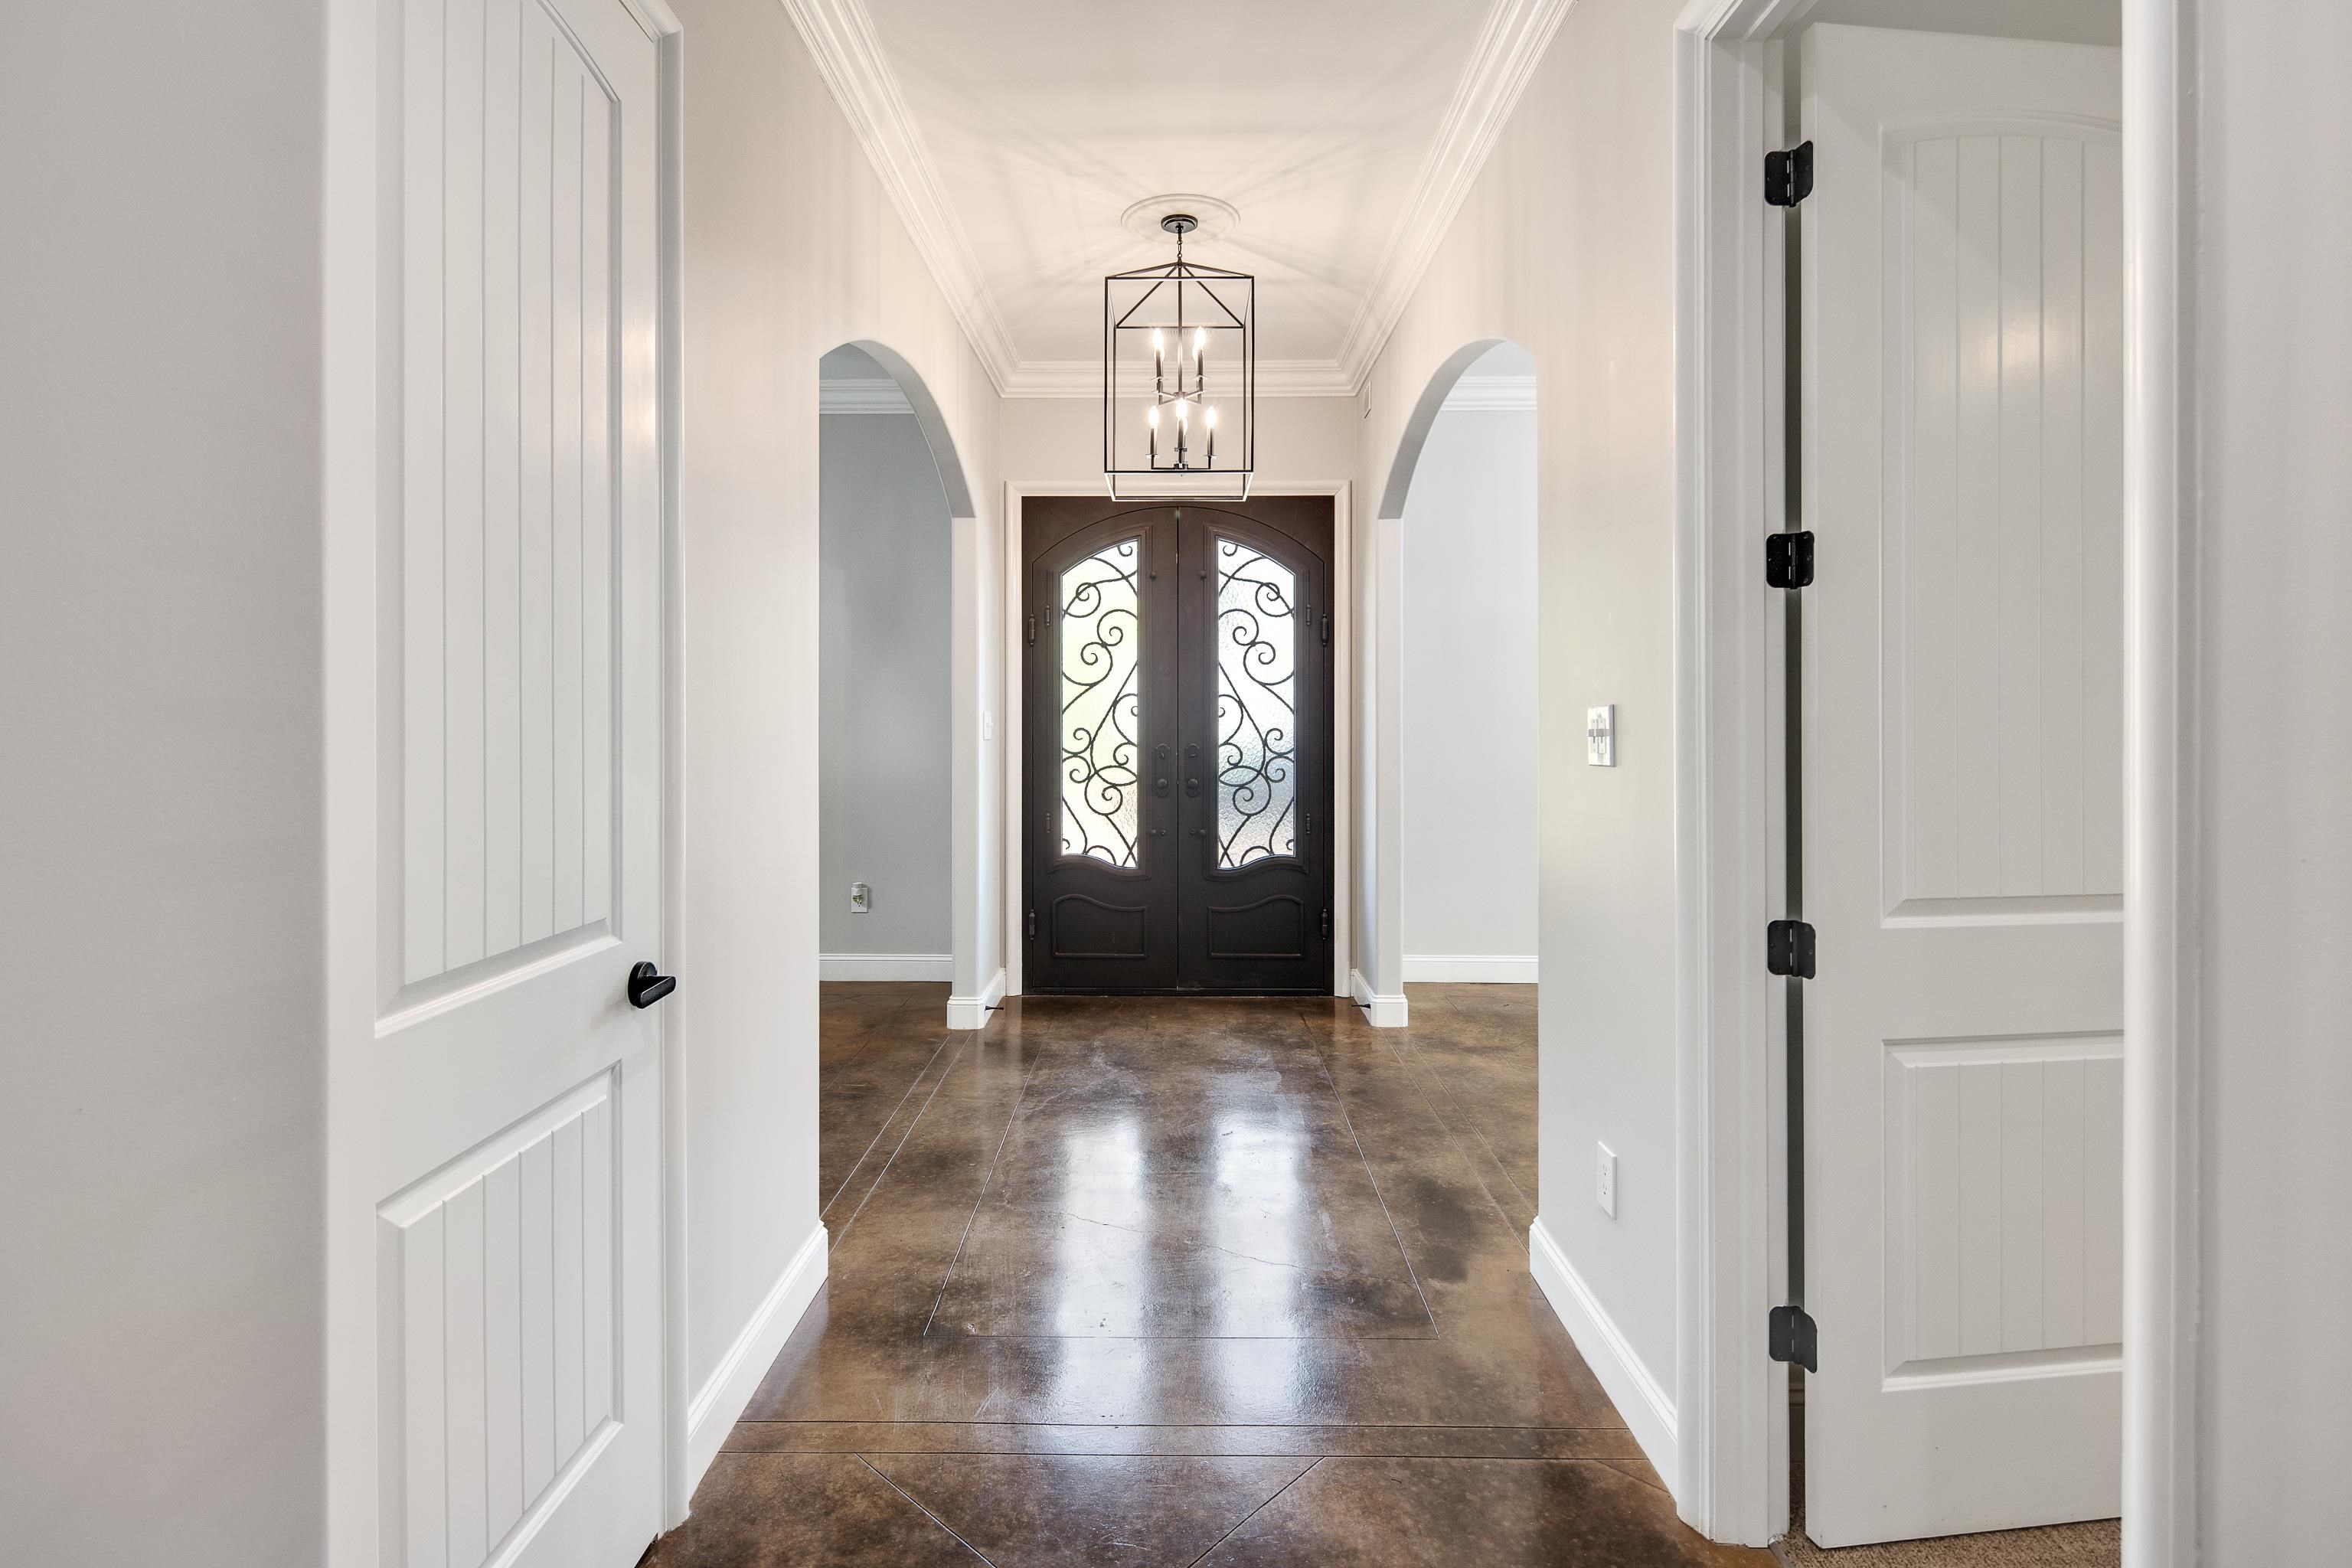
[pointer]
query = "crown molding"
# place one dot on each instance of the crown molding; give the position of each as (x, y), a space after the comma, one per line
(1492, 394)
(1509, 47)
(841, 37)
(848, 394)
(1083, 378)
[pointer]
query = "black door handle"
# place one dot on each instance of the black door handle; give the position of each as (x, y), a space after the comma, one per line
(648, 985)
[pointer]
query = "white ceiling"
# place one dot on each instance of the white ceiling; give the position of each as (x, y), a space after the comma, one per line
(1013, 136)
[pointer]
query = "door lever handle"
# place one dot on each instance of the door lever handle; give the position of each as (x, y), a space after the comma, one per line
(648, 985)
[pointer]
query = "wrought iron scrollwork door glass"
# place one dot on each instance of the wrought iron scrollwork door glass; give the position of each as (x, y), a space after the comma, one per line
(1258, 706)
(1100, 631)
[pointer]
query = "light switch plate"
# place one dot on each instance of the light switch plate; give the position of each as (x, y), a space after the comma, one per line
(1605, 1180)
(1601, 735)
(861, 899)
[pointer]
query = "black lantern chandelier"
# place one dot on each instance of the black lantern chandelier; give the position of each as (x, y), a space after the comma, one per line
(1180, 379)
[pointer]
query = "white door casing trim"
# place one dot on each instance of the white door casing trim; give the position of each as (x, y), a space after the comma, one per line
(1732, 1481)
(1343, 729)
(2162, 830)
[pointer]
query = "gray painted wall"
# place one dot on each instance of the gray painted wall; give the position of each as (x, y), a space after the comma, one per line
(1470, 857)
(162, 864)
(884, 745)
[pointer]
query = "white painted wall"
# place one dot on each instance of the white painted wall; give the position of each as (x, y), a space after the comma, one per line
(1565, 247)
(1469, 698)
(790, 248)
(885, 548)
(1058, 440)
(162, 1397)
(2257, 1361)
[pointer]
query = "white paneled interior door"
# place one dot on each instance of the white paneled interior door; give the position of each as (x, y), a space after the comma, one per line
(1962, 352)
(511, 1097)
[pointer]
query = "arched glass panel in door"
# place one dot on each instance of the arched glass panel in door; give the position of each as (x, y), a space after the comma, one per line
(1102, 719)
(1258, 706)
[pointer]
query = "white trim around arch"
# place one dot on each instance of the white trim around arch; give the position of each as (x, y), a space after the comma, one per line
(1343, 710)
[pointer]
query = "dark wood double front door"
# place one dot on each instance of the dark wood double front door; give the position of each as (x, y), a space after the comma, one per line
(1179, 777)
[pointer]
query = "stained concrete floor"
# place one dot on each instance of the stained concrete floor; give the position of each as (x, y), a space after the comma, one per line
(1180, 1282)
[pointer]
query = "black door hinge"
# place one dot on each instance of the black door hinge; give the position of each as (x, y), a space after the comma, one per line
(1789, 560)
(1033, 628)
(1327, 921)
(1788, 176)
(1789, 948)
(1326, 631)
(1793, 1337)
(1033, 922)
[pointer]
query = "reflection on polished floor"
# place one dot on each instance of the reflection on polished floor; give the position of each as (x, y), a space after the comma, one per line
(1175, 1281)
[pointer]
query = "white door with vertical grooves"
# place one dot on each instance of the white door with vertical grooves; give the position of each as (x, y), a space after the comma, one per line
(509, 1103)
(1962, 354)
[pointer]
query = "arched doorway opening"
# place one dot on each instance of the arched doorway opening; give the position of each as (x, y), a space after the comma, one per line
(894, 754)
(1454, 829)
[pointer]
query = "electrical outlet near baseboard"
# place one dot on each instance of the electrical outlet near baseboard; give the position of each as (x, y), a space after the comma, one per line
(1605, 1180)
(861, 899)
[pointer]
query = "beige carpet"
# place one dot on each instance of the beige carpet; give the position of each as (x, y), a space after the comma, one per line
(2098, 1545)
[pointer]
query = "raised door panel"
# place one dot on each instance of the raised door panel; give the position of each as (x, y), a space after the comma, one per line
(499, 1313)
(2003, 547)
(2004, 1216)
(500, 821)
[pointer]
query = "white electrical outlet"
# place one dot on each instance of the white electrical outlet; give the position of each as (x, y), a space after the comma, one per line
(861, 899)
(1605, 1182)
(1601, 736)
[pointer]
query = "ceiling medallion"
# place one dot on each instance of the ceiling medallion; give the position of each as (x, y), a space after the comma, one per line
(1180, 378)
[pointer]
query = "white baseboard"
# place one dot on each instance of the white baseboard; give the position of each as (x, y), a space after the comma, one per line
(1469, 969)
(720, 1402)
(972, 1012)
(1381, 1012)
(1637, 1395)
(932, 966)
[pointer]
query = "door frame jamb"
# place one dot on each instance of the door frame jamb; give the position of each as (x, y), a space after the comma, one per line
(1732, 1452)
(1732, 1447)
